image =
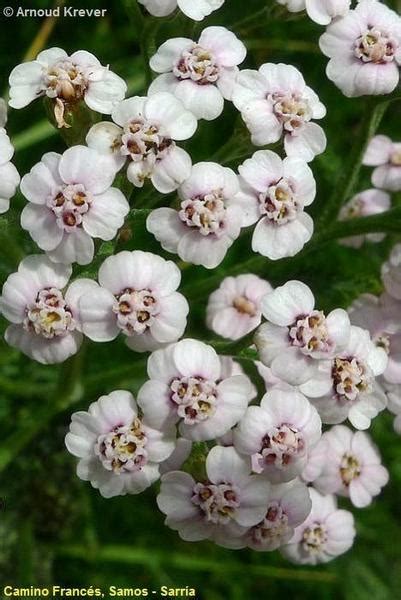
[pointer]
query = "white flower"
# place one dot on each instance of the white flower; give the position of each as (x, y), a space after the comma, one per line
(385, 155)
(137, 297)
(71, 202)
(66, 80)
(208, 221)
(220, 508)
(364, 50)
(288, 505)
(278, 434)
(194, 10)
(234, 309)
(145, 132)
(9, 177)
(186, 386)
(326, 533)
(274, 102)
(345, 386)
(273, 194)
(45, 319)
(320, 11)
(201, 74)
(298, 336)
(352, 467)
(368, 202)
(119, 453)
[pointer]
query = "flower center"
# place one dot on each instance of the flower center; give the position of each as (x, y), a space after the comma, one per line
(352, 209)
(197, 64)
(142, 140)
(123, 449)
(314, 538)
(278, 203)
(245, 306)
(350, 378)
(310, 333)
(49, 316)
(195, 398)
(395, 158)
(349, 468)
(69, 205)
(375, 46)
(65, 80)
(207, 213)
(273, 527)
(135, 310)
(280, 446)
(217, 502)
(292, 110)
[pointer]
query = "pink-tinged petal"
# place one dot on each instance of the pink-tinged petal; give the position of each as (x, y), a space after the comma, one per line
(103, 95)
(199, 10)
(167, 228)
(97, 317)
(224, 44)
(168, 111)
(287, 302)
(281, 241)
(309, 141)
(252, 507)
(76, 246)
(226, 82)
(106, 214)
(41, 224)
(174, 499)
(154, 400)
(165, 276)
(26, 84)
(387, 177)
(199, 250)
(169, 53)
(80, 164)
(264, 168)
(128, 109)
(43, 180)
(75, 291)
(170, 172)
(192, 357)
(270, 341)
(43, 350)
(204, 101)
(262, 123)
(297, 171)
(18, 292)
(250, 85)
(225, 465)
(170, 323)
(378, 151)
(43, 272)
(282, 77)
(161, 365)
(293, 367)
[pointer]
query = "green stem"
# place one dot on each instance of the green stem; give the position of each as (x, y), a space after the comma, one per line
(233, 348)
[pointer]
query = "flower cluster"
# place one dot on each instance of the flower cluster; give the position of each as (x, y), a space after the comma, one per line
(273, 463)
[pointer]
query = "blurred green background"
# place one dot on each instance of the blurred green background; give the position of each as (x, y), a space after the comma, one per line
(55, 528)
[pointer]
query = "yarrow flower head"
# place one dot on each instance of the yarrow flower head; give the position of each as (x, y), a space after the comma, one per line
(346, 386)
(9, 177)
(234, 309)
(66, 80)
(186, 386)
(364, 49)
(71, 201)
(208, 221)
(201, 74)
(352, 467)
(325, 534)
(368, 202)
(45, 317)
(221, 508)
(275, 102)
(320, 11)
(194, 10)
(137, 297)
(298, 336)
(385, 155)
(144, 132)
(287, 506)
(273, 194)
(118, 452)
(278, 434)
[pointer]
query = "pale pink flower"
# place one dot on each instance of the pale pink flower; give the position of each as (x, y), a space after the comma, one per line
(144, 132)
(46, 321)
(274, 102)
(273, 194)
(325, 534)
(137, 297)
(368, 202)
(346, 386)
(364, 50)
(118, 452)
(320, 11)
(391, 273)
(278, 434)
(288, 505)
(71, 201)
(385, 155)
(9, 177)
(208, 221)
(352, 468)
(234, 309)
(66, 80)
(194, 10)
(298, 336)
(185, 386)
(201, 74)
(220, 508)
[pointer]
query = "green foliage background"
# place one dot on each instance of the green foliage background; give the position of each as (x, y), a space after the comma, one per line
(55, 528)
